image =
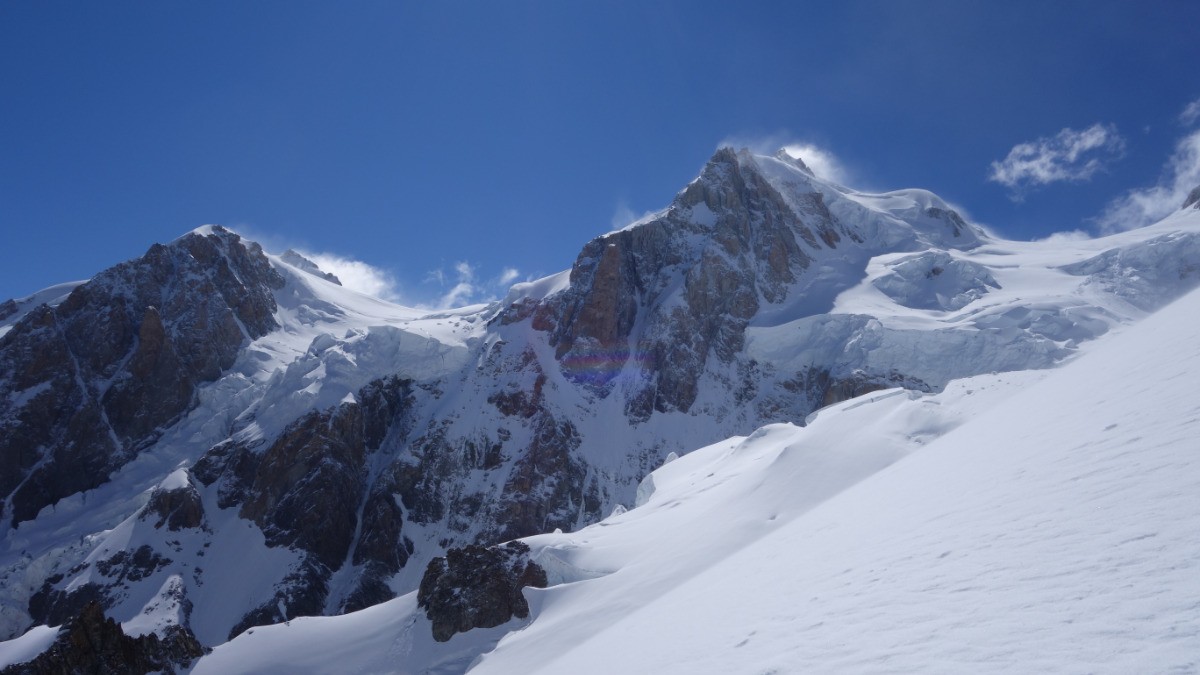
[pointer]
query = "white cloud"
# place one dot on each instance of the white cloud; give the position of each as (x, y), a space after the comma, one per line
(507, 276)
(358, 275)
(463, 290)
(1144, 206)
(1072, 155)
(1190, 114)
(463, 286)
(822, 162)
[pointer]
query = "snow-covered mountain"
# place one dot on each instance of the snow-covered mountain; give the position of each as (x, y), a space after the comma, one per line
(217, 438)
(1030, 521)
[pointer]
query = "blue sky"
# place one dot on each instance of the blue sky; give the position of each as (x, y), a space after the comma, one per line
(450, 143)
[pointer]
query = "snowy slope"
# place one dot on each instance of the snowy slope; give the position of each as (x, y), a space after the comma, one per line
(1041, 522)
(1059, 531)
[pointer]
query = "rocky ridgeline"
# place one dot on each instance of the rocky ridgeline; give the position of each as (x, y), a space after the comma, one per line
(95, 644)
(97, 378)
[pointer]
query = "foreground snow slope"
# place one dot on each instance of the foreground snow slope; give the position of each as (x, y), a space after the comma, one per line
(1059, 531)
(1020, 522)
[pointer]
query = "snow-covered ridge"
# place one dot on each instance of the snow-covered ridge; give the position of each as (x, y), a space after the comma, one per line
(14, 310)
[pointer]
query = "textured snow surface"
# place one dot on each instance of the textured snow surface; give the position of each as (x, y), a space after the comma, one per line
(386, 638)
(1023, 522)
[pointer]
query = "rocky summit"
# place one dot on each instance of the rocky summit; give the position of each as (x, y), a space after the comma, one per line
(212, 438)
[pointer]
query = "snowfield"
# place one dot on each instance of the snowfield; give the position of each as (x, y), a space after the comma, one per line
(1022, 522)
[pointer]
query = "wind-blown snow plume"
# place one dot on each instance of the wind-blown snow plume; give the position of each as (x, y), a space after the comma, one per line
(1072, 155)
(1143, 206)
(821, 161)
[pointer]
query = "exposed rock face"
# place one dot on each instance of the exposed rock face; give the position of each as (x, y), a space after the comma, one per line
(57, 601)
(93, 643)
(478, 587)
(549, 472)
(97, 377)
(306, 491)
(754, 246)
(309, 483)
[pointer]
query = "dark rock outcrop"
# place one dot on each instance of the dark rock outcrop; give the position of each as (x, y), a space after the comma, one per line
(549, 470)
(477, 587)
(58, 600)
(95, 644)
(178, 509)
(96, 378)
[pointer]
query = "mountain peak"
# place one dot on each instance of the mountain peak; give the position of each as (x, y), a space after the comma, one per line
(786, 157)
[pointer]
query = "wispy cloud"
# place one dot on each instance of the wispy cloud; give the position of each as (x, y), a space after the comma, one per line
(1072, 155)
(508, 275)
(1144, 206)
(464, 289)
(462, 285)
(1190, 114)
(358, 275)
